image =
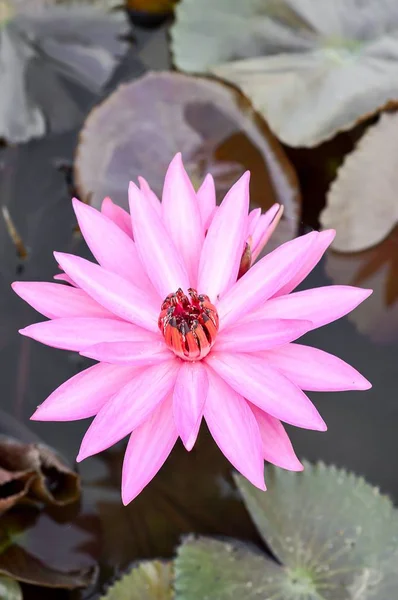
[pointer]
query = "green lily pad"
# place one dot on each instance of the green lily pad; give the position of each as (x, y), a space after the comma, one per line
(334, 535)
(150, 580)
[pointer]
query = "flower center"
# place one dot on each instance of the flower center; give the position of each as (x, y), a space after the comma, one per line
(189, 324)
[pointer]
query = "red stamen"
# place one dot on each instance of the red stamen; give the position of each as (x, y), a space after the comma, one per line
(189, 324)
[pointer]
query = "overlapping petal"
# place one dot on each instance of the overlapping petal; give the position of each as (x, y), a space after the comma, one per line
(256, 336)
(137, 353)
(182, 217)
(263, 280)
(115, 293)
(158, 254)
(120, 217)
(267, 388)
(235, 429)
(206, 196)
(149, 446)
(129, 408)
(55, 301)
(189, 398)
(224, 242)
(118, 254)
(315, 370)
(85, 394)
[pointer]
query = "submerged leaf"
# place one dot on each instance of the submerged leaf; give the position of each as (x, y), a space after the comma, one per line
(36, 473)
(377, 269)
(142, 125)
(147, 581)
(362, 203)
(46, 46)
(312, 68)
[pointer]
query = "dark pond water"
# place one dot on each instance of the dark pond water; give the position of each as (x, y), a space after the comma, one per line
(192, 492)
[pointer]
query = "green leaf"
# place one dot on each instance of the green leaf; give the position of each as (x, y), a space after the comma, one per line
(216, 570)
(330, 527)
(10, 589)
(150, 580)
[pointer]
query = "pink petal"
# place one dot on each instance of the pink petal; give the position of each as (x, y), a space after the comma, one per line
(119, 216)
(263, 280)
(320, 305)
(323, 241)
(206, 196)
(111, 247)
(64, 277)
(277, 448)
(223, 246)
(85, 394)
(254, 216)
(150, 195)
(113, 292)
(77, 333)
(188, 401)
(129, 353)
(165, 267)
(235, 430)
(265, 228)
(260, 335)
(130, 407)
(54, 300)
(315, 370)
(181, 216)
(264, 386)
(149, 446)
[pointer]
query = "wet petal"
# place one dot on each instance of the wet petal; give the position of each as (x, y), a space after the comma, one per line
(113, 292)
(130, 407)
(85, 394)
(206, 196)
(235, 430)
(320, 305)
(158, 254)
(189, 398)
(111, 247)
(323, 241)
(181, 216)
(118, 215)
(149, 446)
(268, 389)
(277, 448)
(54, 300)
(315, 370)
(260, 335)
(80, 332)
(264, 279)
(223, 246)
(136, 354)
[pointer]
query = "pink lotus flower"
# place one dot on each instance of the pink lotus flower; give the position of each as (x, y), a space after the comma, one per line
(179, 337)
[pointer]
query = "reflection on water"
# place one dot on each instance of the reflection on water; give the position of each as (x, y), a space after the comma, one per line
(187, 493)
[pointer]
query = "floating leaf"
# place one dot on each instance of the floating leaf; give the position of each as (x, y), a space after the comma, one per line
(362, 203)
(377, 269)
(34, 472)
(206, 568)
(311, 68)
(330, 529)
(45, 48)
(147, 581)
(140, 127)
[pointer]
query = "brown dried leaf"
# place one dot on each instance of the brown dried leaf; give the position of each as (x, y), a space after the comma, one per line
(34, 472)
